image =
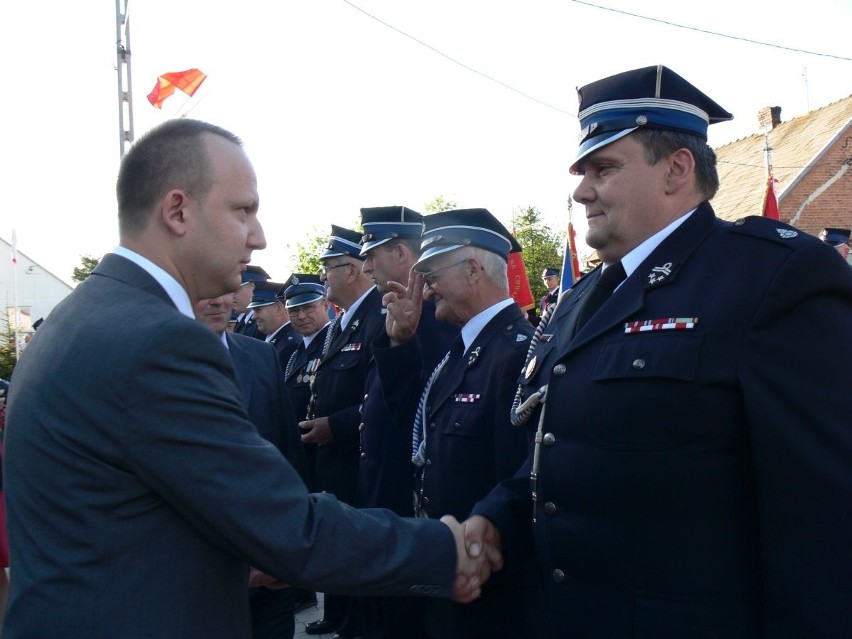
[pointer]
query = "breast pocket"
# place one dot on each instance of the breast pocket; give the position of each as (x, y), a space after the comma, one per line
(645, 394)
(463, 431)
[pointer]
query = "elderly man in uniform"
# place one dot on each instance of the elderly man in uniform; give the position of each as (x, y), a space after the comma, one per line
(337, 390)
(686, 481)
(463, 442)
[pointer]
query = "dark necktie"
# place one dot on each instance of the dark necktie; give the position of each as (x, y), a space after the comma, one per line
(611, 277)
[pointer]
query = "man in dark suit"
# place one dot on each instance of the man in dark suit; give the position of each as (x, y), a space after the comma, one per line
(338, 390)
(463, 442)
(246, 324)
(272, 319)
(550, 277)
(138, 490)
(267, 402)
(686, 481)
(391, 246)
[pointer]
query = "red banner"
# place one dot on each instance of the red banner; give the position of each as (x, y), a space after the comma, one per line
(186, 81)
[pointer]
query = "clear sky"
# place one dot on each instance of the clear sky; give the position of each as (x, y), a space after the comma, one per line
(340, 111)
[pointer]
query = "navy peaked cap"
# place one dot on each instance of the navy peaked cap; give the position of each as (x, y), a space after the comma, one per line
(451, 230)
(265, 293)
(343, 242)
(835, 237)
(550, 272)
(384, 223)
(253, 274)
(302, 288)
(652, 98)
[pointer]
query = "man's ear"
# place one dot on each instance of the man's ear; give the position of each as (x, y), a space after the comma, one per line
(174, 211)
(681, 170)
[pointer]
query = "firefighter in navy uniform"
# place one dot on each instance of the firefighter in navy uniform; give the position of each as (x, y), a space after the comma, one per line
(685, 480)
(463, 442)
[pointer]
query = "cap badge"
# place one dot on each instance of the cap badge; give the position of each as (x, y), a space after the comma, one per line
(787, 234)
(294, 280)
(520, 337)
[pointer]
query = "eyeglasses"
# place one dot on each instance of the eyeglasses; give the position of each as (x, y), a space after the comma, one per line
(430, 278)
(325, 269)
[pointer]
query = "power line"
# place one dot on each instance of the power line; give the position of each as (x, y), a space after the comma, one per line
(715, 33)
(461, 64)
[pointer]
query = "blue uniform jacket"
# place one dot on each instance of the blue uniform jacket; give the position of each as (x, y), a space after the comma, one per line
(696, 462)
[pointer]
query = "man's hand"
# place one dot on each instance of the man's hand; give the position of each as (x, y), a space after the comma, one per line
(317, 431)
(403, 306)
(258, 579)
(471, 572)
(482, 539)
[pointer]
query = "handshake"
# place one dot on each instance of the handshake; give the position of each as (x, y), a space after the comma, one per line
(478, 554)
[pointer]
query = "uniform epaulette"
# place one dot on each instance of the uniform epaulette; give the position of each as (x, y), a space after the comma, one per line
(772, 230)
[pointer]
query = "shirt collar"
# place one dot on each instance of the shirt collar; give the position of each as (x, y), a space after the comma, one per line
(176, 292)
(474, 326)
(634, 258)
(344, 321)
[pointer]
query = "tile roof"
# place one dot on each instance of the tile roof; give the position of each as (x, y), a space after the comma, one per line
(795, 145)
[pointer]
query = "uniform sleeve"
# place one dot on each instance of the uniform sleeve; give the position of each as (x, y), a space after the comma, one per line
(796, 375)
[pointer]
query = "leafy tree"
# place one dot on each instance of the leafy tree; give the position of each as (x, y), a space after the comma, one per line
(439, 204)
(542, 246)
(308, 252)
(87, 265)
(8, 357)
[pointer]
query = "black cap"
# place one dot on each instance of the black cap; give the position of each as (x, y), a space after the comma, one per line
(301, 288)
(652, 98)
(550, 272)
(835, 237)
(253, 274)
(384, 223)
(450, 230)
(343, 242)
(265, 293)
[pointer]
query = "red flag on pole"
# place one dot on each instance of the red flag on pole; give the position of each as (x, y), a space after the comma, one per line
(770, 203)
(519, 283)
(186, 81)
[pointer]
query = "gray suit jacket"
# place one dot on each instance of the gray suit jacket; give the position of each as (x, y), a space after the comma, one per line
(138, 490)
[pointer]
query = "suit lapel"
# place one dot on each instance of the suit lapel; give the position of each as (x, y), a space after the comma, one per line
(243, 374)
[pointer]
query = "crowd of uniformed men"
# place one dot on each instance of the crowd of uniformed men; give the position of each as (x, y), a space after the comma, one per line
(665, 455)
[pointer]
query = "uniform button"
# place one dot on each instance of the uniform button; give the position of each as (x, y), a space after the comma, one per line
(428, 463)
(363, 455)
(425, 501)
(431, 425)
(558, 576)
(549, 439)
(456, 425)
(559, 369)
(638, 363)
(366, 395)
(549, 508)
